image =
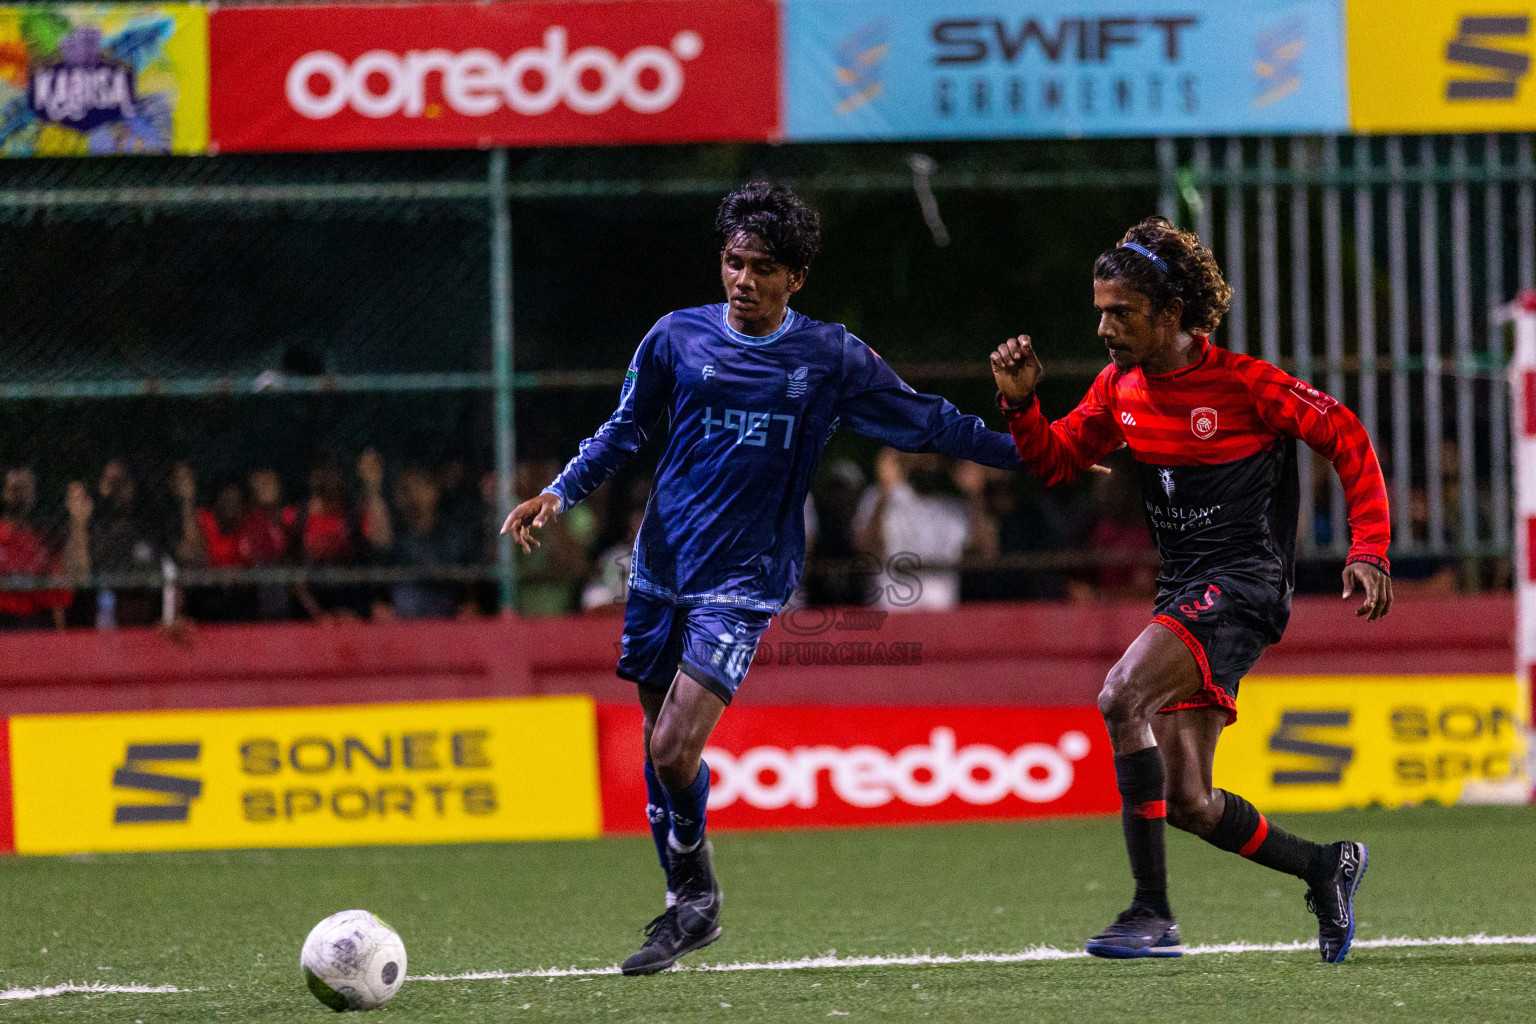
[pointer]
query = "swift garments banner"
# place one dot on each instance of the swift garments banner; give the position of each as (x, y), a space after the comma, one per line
(501, 74)
(430, 772)
(944, 69)
(792, 767)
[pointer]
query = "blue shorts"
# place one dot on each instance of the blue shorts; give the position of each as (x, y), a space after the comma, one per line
(714, 644)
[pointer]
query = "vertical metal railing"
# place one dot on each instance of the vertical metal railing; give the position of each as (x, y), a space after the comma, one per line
(1401, 482)
(1236, 249)
(1333, 323)
(501, 363)
(1301, 328)
(1494, 297)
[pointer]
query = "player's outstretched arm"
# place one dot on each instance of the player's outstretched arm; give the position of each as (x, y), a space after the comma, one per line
(529, 516)
(878, 404)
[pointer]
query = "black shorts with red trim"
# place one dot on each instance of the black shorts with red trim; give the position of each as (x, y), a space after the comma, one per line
(1226, 623)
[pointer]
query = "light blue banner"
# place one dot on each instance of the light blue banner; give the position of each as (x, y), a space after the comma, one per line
(942, 69)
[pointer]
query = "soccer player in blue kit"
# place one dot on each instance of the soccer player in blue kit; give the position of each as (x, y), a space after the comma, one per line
(752, 392)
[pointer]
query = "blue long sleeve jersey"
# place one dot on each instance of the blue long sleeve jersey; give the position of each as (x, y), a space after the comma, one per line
(749, 418)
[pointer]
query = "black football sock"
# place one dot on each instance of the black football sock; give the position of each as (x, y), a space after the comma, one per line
(1244, 831)
(1143, 810)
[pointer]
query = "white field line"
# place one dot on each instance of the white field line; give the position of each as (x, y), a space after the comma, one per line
(93, 988)
(1034, 953)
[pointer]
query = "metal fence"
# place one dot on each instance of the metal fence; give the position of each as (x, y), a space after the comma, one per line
(175, 306)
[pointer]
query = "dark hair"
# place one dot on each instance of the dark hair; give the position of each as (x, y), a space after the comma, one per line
(789, 228)
(1188, 271)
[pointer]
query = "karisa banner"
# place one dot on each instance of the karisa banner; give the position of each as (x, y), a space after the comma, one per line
(1441, 66)
(873, 69)
(103, 79)
(1311, 743)
(430, 772)
(307, 77)
(790, 767)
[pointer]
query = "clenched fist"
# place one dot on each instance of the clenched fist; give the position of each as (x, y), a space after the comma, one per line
(1016, 369)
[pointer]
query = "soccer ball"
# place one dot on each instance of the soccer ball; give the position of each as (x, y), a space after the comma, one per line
(353, 961)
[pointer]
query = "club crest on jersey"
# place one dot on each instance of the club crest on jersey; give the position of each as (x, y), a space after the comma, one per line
(798, 381)
(1203, 422)
(1167, 477)
(708, 371)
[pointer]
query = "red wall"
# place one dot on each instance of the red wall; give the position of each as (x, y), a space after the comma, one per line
(1023, 654)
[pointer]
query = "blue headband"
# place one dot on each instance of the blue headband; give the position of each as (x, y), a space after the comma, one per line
(1148, 253)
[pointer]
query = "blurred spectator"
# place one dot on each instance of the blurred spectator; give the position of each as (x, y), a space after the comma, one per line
(1120, 527)
(837, 572)
(1422, 574)
(1004, 524)
(609, 586)
(549, 578)
(24, 552)
(117, 533)
(907, 521)
(267, 539)
(416, 534)
(326, 537)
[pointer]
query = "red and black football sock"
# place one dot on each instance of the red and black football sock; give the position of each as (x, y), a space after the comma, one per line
(1244, 831)
(1143, 814)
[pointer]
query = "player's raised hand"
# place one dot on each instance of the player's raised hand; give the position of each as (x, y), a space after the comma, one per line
(1016, 369)
(1376, 584)
(531, 515)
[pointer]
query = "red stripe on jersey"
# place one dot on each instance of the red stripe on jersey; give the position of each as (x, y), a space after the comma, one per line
(1254, 405)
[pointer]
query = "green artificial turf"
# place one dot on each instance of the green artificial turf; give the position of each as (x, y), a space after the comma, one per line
(227, 927)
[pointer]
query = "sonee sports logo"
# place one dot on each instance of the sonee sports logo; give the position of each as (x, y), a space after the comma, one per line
(477, 82)
(179, 790)
(1502, 69)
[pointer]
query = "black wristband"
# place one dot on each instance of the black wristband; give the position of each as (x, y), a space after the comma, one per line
(1009, 408)
(1376, 563)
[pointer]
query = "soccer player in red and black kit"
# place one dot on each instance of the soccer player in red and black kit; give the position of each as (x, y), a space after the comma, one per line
(1211, 434)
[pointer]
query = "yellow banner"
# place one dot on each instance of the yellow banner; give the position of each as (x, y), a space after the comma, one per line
(1441, 65)
(1310, 743)
(435, 772)
(103, 79)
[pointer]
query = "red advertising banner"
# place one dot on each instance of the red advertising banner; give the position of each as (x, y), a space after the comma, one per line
(7, 814)
(493, 74)
(794, 767)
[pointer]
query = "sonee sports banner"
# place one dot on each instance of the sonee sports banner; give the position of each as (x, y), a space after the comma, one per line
(1314, 743)
(463, 75)
(431, 772)
(793, 767)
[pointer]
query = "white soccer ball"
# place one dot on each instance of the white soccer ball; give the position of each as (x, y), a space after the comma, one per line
(353, 961)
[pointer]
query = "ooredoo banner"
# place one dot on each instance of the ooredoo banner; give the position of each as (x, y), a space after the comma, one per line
(789, 767)
(429, 772)
(1314, 743)
(493, 74)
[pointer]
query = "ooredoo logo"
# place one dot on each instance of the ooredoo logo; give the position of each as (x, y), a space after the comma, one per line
(477, 82)
(769, 777)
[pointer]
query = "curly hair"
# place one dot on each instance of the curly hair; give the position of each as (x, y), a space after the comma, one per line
(1191, 275)
(790, 229)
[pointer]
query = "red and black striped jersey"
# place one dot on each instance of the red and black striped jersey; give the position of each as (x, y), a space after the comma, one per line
(1218, 478)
